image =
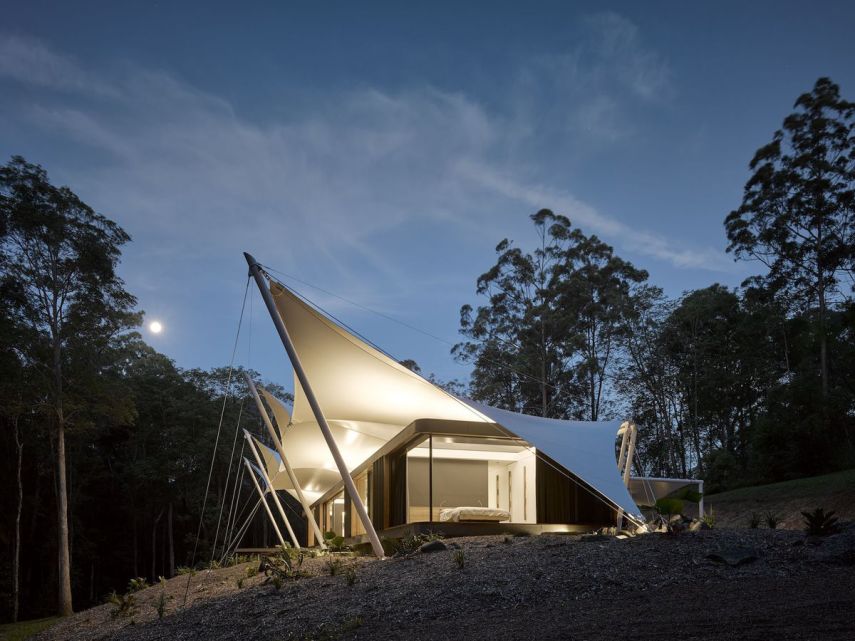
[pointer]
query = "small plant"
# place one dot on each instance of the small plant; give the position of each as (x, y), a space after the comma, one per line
(252, 570)
(820, 523)
(279, 568)
(183, 569)
(333, 565)
(125, 604)
(772, 520)
(709, 519)
(350, 574)
(239, 583)
(459, 558)
(214, 565)
(160, 604)
(334, 541)
(667, 509)
(237, 559)
(137, 584)
(754, 521)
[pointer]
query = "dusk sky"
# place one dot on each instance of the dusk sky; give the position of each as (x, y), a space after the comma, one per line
(382, 151)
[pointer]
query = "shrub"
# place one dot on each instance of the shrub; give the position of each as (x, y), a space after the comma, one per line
(772, 520)
(279, 568)
(350, 574)
(709, 518)
(820, 523)
(459, 558)
(667, 508)
(754, 521)
(333, 565)
(160, 604)
(334, 541)
(125, 604)
(137, 584)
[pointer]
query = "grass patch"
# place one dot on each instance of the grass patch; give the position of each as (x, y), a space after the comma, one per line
(797, 488)
(25, 629)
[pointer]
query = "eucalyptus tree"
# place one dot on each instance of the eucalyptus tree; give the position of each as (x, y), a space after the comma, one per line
(516, 341)
(797, 215)
(594, 297)
(63, 256)
(546, 340)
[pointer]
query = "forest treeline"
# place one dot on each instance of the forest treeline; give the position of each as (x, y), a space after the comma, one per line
(736, 386)
(107, 445)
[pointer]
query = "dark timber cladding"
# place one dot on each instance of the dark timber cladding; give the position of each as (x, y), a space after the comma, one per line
(563, 498)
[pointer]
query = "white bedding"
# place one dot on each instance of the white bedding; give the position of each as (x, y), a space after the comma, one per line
(457, 514)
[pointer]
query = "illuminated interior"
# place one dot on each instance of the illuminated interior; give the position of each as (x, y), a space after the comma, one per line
(447, 472)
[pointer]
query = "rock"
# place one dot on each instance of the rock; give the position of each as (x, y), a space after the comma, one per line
(432, 546)
(733, 556)
(587, 538)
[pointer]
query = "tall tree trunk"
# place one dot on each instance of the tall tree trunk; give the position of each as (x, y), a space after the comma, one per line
(154, 546)
(136, 548)
(823, 347)
(92, 581)
(823, 363)
(16, 555)
(63, 552)
(63, 549)
(170, 542)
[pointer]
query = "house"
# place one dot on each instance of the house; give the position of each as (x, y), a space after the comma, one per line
(419, 458)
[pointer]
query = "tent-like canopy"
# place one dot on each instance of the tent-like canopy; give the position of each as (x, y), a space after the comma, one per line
(368, 398)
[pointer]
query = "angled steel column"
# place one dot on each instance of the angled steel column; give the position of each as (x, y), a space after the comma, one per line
(272, 432)
(264, 502)
(630, 453)
(358, 505)
(267, 482)
(624, 432)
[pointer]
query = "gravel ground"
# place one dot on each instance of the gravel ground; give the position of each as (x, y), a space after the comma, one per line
(766, 583)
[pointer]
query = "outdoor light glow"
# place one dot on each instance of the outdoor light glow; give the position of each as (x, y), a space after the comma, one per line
(155, 327)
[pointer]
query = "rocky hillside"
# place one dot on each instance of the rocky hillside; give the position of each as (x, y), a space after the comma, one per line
(716, 584)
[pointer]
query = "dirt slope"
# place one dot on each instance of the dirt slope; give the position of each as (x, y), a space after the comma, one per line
(547, 587)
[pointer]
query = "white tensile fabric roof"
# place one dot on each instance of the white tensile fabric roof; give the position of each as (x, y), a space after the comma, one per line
(368, 398)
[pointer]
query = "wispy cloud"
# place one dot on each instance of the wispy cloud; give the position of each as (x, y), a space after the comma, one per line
(189, 174)
(588, 218)
(30, 61)
(592, 89)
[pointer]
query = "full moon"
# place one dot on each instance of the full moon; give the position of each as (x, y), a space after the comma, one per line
(155, 327)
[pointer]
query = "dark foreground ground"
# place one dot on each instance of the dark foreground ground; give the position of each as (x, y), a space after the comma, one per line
(769, 584)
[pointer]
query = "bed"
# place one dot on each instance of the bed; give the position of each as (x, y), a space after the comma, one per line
(470, 514)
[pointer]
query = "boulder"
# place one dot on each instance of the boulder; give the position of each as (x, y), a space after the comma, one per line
(733, 556)
(587, 538)
(697, 525)
(432, 546)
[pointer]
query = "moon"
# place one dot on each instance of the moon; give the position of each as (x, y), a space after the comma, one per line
(155, 327)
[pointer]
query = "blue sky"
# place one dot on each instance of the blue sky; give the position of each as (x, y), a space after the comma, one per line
(381, 151)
